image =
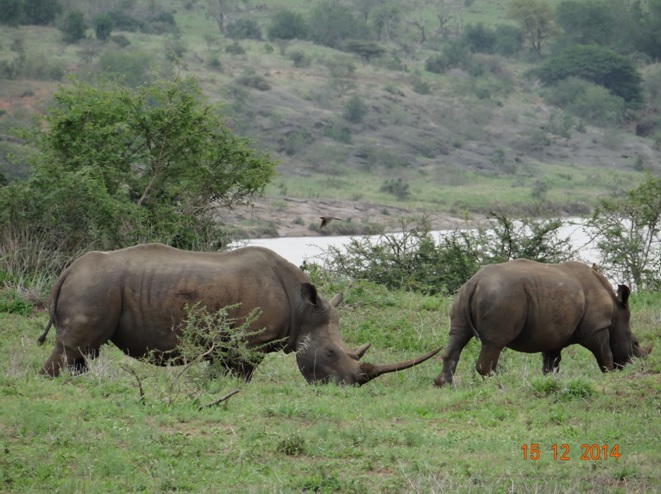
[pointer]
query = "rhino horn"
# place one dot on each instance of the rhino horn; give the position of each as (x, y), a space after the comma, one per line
(360, 351)
(370, 371)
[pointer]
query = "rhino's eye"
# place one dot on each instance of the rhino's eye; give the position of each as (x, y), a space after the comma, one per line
(331, 354)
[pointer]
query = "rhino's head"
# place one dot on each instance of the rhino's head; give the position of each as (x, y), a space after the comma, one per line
(623, 343)
(322, 356)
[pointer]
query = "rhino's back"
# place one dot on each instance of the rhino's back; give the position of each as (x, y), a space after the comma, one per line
(530, 306)
(136, 296)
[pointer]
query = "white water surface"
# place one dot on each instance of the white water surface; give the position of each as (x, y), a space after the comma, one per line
(314, 249)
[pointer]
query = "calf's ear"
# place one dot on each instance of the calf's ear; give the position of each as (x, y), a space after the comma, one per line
(623, 293)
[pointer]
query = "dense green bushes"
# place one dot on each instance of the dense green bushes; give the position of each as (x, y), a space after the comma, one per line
(415, 260)
(116, 166)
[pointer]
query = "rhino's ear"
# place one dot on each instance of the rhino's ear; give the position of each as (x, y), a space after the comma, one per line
(309, 293)
(623, 293)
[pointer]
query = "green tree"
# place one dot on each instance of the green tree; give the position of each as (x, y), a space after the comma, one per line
(586, 22)
(355, 109)
(628, 232)
(103, 26)
(116, 166)
(332, 23)
(288, 25)
(41, 12)
(535, 17)
(73, 27)
(596, 64)
(11, 12)
(244, 29)
(648, 28)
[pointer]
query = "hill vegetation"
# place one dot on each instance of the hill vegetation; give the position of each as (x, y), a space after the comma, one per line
(447, 107)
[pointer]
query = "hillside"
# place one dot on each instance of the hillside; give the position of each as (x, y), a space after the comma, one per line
(368, 142)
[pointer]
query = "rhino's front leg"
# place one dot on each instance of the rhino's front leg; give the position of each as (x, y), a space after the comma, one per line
(599, 345)
(551, 361)
(458, 340)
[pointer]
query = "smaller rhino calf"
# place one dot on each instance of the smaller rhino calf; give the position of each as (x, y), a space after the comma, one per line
(533, 307)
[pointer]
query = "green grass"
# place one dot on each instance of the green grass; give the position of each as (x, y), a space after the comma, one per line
(92, 433)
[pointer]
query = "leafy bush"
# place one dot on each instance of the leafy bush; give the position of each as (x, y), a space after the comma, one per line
(415, 260)
(629, 233)
(355, 109)
(244, 29)
(123, 21)
(251, 79)
(592, 103)
(235, 49)
(478, 38)
(332, 23)
(12, 303)
(115, 166)
(103, 26)
(397, 188)
(596, 64)
(73, 27)
(288, 25)
(300, 59)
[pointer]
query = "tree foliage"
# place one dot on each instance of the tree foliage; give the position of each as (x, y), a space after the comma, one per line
(586, 22)
(288, 25)
(331, 23)
(416, 260)
(73, 26)
(536, 19)
(628, 232)
(103, 26)
(596, 64)
(115, 166)
(648, 28)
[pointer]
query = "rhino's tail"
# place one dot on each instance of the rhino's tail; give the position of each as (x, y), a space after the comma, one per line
(52, 304)
(42, 338)
(468, 312)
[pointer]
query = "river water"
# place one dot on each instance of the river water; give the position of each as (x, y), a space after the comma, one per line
(314, 249)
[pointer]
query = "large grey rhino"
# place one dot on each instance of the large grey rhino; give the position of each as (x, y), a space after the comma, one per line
(136, 298)
(533, 307)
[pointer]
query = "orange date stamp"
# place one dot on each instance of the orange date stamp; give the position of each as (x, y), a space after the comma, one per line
(590, 452)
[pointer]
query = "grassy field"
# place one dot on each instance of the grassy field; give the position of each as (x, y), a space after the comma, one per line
(93, 433)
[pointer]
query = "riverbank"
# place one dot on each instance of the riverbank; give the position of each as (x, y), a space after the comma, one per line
(294, 217)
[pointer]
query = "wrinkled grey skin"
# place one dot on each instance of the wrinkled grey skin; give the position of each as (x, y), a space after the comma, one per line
(136, 298)
(532, 307)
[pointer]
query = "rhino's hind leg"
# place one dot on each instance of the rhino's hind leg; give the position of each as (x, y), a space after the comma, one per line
(551, 361)
(62, 357)
(488, 359)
